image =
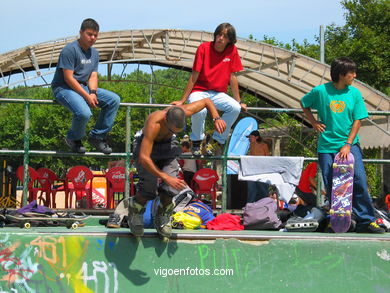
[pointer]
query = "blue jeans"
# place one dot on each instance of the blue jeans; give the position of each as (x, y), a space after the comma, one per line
(256, 190)
(108, 102)
(361, 199)
(223, 102)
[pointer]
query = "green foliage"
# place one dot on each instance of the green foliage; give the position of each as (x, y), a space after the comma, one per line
(365, 38)
(295, 142)
(307, 49)
(50, 123)
(373, 173)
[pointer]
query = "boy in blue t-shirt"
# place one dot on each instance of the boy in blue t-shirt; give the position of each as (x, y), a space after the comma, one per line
(340, 109)
(75, 86)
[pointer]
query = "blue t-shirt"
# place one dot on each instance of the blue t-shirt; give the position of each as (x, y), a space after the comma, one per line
(337, 109)
(73, 57)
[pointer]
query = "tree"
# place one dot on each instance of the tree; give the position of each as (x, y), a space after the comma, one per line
(307, 49)
(365, 38)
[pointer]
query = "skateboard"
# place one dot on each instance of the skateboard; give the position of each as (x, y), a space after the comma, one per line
(2, 221)
(342, 188)
(26, 221)
(239, 143)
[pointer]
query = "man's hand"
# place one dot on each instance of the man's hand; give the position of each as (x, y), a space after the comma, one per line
(92, 100)
(243, 107)
(319, 126)
(177, 103)
(344, 151)
(220, 125)
(176, 183)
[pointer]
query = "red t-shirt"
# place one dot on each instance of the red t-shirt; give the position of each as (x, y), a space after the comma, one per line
(310, 171)
(387, 200)
(215, 68)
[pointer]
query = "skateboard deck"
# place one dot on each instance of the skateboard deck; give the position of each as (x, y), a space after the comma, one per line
(342, 188)
(26, 221)
(239, 143)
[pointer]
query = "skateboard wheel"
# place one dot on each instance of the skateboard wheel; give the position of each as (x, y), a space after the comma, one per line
(348, 213)
(334, 165)
(331, 211)
(27, 225)
(351, 166)
(74, 226)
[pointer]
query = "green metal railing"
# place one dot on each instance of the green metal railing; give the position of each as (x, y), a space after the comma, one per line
(26, 152)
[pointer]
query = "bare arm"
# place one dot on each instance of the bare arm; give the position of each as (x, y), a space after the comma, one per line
(316, 125)
(91, 99)
(235, 90)
(344, 151)
(190, 85)
(151, 131)
(313, 184)
(195, 107)
(266, 150)
(93, 81)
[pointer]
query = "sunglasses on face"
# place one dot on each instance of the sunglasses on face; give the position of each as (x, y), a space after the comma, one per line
(176, 132)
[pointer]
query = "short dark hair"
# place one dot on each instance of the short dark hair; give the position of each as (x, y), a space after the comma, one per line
(176, 117)
(89, 23)
(185, 144)
(341, 66)
(231, 32)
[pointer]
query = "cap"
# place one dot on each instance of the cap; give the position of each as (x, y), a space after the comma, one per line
(254, 133)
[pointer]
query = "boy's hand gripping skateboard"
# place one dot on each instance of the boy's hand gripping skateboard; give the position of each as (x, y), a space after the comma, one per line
(342, 188)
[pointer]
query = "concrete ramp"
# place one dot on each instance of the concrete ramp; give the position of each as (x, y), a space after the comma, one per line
(96, 259)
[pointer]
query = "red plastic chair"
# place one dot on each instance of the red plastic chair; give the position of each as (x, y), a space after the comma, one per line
(34, 185)
(205, 182)
(78, 181)
(48, 179)
(116, 184)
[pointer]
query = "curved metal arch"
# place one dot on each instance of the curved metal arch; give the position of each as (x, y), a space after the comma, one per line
(277, 75)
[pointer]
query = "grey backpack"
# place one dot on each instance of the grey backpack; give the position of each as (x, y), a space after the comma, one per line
(261, 215)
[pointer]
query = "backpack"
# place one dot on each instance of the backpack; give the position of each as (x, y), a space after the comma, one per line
(261, 215)
(200, 210)
(182, 220)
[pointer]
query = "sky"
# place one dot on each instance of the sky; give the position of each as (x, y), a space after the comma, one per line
(26, 22)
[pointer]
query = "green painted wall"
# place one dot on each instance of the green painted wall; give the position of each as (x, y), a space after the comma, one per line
(48, 262)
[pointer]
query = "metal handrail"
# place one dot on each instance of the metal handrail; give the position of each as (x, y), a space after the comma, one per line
(26, 152)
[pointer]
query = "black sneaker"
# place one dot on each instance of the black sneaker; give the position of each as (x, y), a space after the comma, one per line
(114, 221)
(195, 149)
(75, 145)
(373, 227)
(214, 148)
(100, 145)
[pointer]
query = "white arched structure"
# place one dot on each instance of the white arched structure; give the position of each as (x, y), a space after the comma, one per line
(279, 76)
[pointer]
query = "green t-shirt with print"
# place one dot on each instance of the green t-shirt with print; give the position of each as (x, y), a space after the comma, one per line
(337, 109)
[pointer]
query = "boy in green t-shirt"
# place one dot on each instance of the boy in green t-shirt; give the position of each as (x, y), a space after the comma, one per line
(340, 109)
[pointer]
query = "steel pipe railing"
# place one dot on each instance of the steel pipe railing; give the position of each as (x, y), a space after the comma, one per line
(26, 152)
